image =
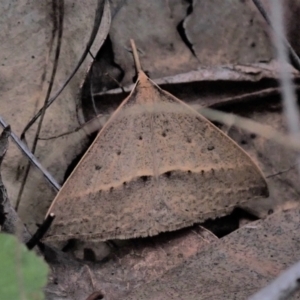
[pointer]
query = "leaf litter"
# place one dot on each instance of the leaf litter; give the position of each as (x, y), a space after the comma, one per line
(137, 262)
(27, 52)
(243, 41)
(273, 112)
(237, 266)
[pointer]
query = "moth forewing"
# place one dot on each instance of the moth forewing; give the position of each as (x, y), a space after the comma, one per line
(157, 165)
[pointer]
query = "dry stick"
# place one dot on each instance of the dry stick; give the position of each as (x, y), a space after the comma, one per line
(9, 220)
(41, 231)
(97, 21)
(62, 134)
(282, 47)
(136, 58)
(57, 26)
(286, 140)
(249, 97)
(92, 95)
(91, 54)
(286, 284)
(32, 158)
(282, 172)
(115, 81)
(294, 57)
(288, 94)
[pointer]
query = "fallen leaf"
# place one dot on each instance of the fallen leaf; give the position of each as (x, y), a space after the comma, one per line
(161, 47)
(127, 267)
(26, 32)
(236, 267)
(231, 32)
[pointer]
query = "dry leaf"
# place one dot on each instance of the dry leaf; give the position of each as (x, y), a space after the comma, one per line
(230, 31)
(128, 267)
(161, 47)
(235, 268)
(26, 31)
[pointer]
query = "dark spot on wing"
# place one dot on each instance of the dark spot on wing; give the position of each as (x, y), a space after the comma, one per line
(168, 174)
(144, 178)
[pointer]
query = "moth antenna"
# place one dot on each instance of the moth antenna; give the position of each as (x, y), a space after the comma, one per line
(136, 58)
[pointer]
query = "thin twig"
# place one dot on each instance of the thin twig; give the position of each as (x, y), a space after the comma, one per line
(282, 172)
(97, 21)
(91, 54)
(288, 90)
(32, 158)
(41, 231)
(116, 81)
(286, 140)
(136, 58)
(92, 95)
(294, 57)
(57, 27)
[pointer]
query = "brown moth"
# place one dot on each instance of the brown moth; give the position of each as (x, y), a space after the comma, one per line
(157, 165)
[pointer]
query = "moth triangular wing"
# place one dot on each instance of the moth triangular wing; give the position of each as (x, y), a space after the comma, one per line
(157, 165)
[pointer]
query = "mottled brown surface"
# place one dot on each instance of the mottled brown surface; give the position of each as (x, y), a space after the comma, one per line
(156, 166)
(224, 32)
(127, 268)
(234, 268)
